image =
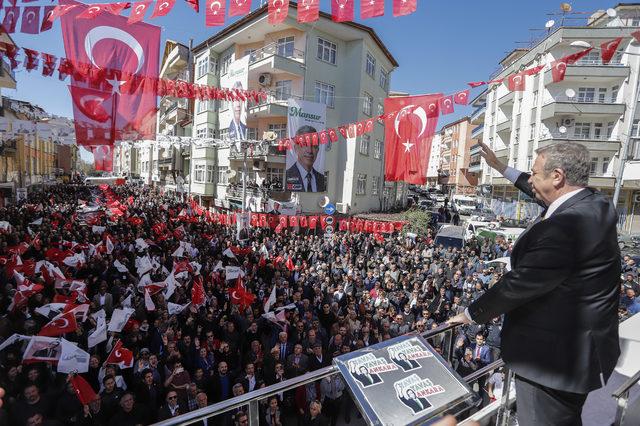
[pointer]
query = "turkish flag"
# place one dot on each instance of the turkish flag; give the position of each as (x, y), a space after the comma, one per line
(214, 16)
(408, 135)
(120, 356)
(197, 292)
(293, 221)
(572, 59)
(278, 11)
(239, 7)
(282, 220)
(308, 10)
(302, 220)
(102, 158)
(517, 82)
(47, 20)
(289, 264)
(342, 10)
(11, 15)
(475, 84)
(461, 98)
(636, 36)
(162, 8)
(65, 323)
(195, 5)
(371, 8)
(93, 11)
(138, 11)
(446, 105)
(404, 7)
(608, 49)
(313, 222)
(30, 20)
(117, 8)
(534, 70)
(92, 110)
(31, 60)
(558, 70)
(82, 389)
(109, 43)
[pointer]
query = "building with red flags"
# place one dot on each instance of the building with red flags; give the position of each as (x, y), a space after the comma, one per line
(584, 93)
(287, 59)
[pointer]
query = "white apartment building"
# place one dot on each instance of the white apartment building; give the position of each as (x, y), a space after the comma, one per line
(344, 65)
(434, 161)
(125, 161)
(591, 106)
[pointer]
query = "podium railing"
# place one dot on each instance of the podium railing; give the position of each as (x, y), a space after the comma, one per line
(252, 400)
(621, 395)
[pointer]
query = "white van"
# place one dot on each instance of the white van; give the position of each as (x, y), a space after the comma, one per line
(464, 204)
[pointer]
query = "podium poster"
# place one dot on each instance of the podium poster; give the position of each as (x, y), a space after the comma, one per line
(402, 381)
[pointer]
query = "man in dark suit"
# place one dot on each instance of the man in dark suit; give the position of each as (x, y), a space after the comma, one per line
(302, 177)
(171, 408)
(560, 299)
(238, 128)
(481, 352)
(366, 378)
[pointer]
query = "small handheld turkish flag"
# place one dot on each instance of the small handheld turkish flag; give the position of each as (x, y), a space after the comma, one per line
(120, 356)
(371, 8)
(83, 389)
(446, 105)
(65, 323)
(138, 11)
(308, 10)
(461, 98)
(342, 10)
(162, 8)
(608, 49)
(30, 20)
(404, 7)
(214, 16)
(278, 11)
(239, 7)
(11, 15)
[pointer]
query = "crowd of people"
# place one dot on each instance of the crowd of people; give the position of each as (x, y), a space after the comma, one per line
(192, 345)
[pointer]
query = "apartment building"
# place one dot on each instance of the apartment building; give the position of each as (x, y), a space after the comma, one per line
(343, 65)
(455, 142)
(433, 169)
(126, 161)
(592, 106)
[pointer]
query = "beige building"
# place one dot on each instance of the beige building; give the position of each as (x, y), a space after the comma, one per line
(455, 142)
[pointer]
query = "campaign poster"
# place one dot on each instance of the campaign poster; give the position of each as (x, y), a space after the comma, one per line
(306, 158)
(234, 118)
(243, 220)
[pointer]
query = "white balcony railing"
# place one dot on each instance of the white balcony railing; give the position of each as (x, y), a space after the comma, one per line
(582, 100)
(579, 137)
(284, 50)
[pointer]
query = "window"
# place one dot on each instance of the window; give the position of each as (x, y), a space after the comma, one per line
(375, 185)
(535, 98)
(380, 111)
(384, 78)
(204, 132)
(634, 129)
(209, 173)
(635, 22)
(597, 131)
(224, 134)
(532, 131)
(283, 90)
(371, 65)
(222, 175)
(605, 165)
(634, 149)
(280, 129)
(586, 94)
(377, 149)
(367, 104)
(275, 174)
(203, 66)
(224, 105)
(226, 61)
(594, 166)
(361, 184)
(202, 106)
(325, 94)
(614, 94)
(284, 47)
(251, 53)
(516, 135)
(610, 129)
(602, 95)
(199, 173)
(582, 130)
(529, 162)
(252, 133)
(364, 144)
(327, 51)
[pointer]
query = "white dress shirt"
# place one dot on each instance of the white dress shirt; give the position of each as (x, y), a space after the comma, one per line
(303, 174)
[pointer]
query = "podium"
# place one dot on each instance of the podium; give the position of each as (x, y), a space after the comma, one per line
(629, 361)
(403, 381)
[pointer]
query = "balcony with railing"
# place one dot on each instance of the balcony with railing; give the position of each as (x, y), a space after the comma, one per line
(263, 151)
(581, 105)
(477, 117)
(591, 141)
(277, 57)
(477, 132)
(274, 105)
(593, 68)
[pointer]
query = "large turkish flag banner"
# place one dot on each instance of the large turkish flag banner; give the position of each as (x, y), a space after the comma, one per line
(109, 42)
(408, 132)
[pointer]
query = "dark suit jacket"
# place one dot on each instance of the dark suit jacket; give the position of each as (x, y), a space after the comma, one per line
(406, 364)
(485, 354)
(413, 403)
(233, 129)
(365, 380)
(561, 296)
(294, 182)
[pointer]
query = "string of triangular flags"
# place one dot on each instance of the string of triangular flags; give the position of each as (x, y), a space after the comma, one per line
(215, 11)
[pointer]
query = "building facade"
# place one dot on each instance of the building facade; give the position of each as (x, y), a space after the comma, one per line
(433, 169)
(455, 142)
(344, 65)
(591, 106)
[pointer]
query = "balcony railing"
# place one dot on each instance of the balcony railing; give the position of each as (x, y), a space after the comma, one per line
(574, 137)
(615, 62)
(478, 130)
(257, 150)
(283, 50)
(583, 100)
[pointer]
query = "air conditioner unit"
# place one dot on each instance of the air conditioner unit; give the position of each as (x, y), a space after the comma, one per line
(258, 165)
(636, 197)
(567, 122)
(264, 79)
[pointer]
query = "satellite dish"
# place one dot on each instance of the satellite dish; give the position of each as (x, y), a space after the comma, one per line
(231, 173)
(323, 201)
(269, 136)
(565, 7)
(570, 93)
(562, 130)
(550, 23)
(580, 43)
(612, 13)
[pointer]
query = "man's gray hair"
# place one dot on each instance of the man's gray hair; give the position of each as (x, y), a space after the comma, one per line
(571, 157)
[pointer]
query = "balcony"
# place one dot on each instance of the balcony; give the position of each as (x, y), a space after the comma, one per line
(477, 132)
(592, 143)
(504, 126)
(265, 152)
(273, 106)
(276, 57)
(502, 153)
(7, 75)
(478, 115)
(506, 100)
(475, 166)
(563, 105)
(235, 191)
(594, 70)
